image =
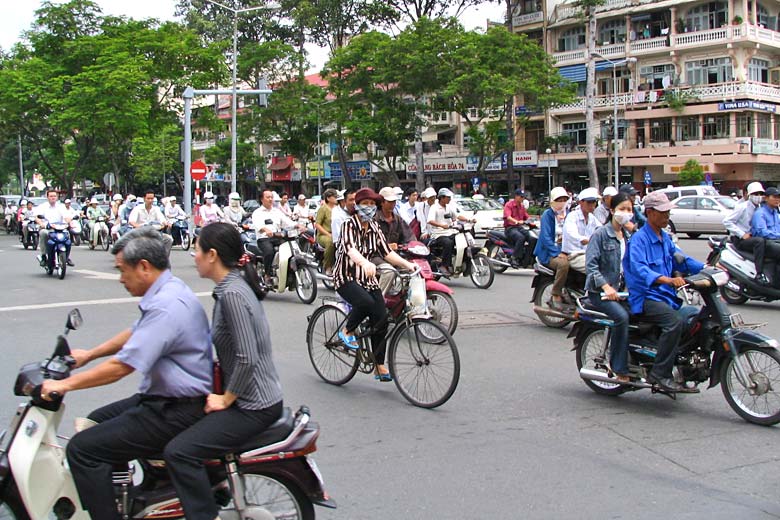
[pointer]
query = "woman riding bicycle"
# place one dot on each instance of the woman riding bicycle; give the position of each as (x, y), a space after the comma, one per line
(354, 276)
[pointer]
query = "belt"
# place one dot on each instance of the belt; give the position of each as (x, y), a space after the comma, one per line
(196, 399)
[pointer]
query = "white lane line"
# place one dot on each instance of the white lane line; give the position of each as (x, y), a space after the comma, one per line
(96, 275)
(80, 303)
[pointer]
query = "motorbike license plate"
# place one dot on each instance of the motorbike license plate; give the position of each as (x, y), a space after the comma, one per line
(316, 470)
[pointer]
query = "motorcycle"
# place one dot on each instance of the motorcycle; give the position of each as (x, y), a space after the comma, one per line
(75, 230)
(33, 234)
(104, 237)
(717, 347)
(499, 250)
(10, 221)
(467, 258)
(315, 253)
(542, 286)
(741, 268)
(291, 269)
(180, 232)
(57, 250)
(440, 303)
(272, 476)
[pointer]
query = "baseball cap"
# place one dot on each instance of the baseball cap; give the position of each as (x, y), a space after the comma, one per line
(428, 193)
(301, 197)
(628, 188)
(755, 187)
(558, 192)
(208, 195)
(519, 193)
(398, 191)
(234, 196)
(387, 193)
(67, 201)
(772, 191)
(589, 194)
(340, 194)
(658, 201)
(609, 191)
(445, 192)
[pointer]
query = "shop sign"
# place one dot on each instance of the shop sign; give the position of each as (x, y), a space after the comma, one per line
(765, 146)
(473, 162)
(525, 159)
(449, 164)
(358, 170)
(747, 103)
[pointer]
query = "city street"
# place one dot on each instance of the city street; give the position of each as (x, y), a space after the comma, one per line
(522, 437)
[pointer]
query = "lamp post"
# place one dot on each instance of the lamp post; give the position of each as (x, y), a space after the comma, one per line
(320, 163)
(234, 104)
(549, 175)
(615, 109)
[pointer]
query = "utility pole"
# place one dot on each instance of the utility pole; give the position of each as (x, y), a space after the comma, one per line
(509, 114)
(21, 168)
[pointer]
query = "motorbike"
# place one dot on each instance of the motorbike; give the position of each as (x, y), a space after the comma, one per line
(467, 258)
(309, 246)
(717, 347)
(499, 250)
(291, 269)
(542, 286)
(741, 268)
(441, 305)
(10, 222)
(33, 234)
(180, 232)
(75, 230)
(104, 237)
(271, 476)
(57, 250)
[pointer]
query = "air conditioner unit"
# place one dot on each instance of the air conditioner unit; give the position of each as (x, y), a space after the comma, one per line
(774, 76)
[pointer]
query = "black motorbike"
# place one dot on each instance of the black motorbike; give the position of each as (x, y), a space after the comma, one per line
(180, 232)
(542, 296)
(717, 347)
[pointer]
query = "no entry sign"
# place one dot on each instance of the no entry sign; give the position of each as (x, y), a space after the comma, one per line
(198, 170)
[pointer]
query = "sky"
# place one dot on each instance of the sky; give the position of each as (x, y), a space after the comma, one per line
(18, 16)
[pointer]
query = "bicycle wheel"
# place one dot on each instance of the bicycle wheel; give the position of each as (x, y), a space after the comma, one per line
(426, 372)
(105, 239)
(332, 361)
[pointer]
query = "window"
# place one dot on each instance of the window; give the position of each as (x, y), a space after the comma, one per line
(688, 129)
(576, 132)
(745, 124)
(606, 128)
(706, 16)
(606, 83)
(650, 25)
(660, 130)
(764, 126)
(716, 127)
(613, 31)
(758, 70)
(707, 204)
(686, 203)
(655, 75)
(764, 18)
(707, 72)
(572, 39)
(527, 6)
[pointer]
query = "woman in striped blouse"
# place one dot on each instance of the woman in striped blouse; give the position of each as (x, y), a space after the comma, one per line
(355, 276)
(252, 398)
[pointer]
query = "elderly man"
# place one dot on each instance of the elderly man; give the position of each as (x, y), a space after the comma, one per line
(169, 345)
(578, 228)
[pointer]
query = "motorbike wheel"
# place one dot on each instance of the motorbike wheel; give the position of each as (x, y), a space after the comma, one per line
(76, 239)
(62, 259)
(327, 282)
(763, 368)
(185, 241)
(306, 284)
(332, 361)
(496, 253)
(24, 243)
(544, 295)
(269, 495)
(481, 271)
(443, 309)
(732, 297)
(34, 243)
(105, 239)
(592, 354)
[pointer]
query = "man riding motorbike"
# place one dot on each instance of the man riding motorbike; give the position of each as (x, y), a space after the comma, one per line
(649, 265)
(765, 224)
(738, 224)
(267, 221)
(147, 213)
(578, 228)
(53, 213)
(93, 213)
(515, 215)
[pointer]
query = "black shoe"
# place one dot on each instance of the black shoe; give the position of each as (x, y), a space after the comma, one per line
(445, 271)
(762, 279)
(70, 262)
(515, 263)
(666, 384)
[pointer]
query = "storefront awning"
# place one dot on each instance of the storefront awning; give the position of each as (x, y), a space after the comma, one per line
(281, 165)
(579, 73)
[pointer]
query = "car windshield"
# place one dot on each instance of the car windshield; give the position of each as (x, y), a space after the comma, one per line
(728, 202)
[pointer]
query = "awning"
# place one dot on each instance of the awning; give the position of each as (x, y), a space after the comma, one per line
(574, 73)
(281, 165)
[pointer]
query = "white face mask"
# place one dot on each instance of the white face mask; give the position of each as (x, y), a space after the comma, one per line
(623, 217)
(757, 199)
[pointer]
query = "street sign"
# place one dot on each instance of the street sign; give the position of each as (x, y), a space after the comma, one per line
(648, 178)
(109, 179)
(708, 178)
(198, 170)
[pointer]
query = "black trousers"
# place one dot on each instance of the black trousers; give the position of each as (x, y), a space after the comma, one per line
(217, 434)
(517, 236)
(673, 323)
(367, 303)
(447, 244)
(266, 246)
(139, 426)
(756, 246)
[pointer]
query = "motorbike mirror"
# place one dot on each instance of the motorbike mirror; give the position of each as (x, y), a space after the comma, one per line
(679, 258)
(74, 320)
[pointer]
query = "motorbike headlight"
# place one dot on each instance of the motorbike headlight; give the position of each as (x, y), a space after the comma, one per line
(720, 278)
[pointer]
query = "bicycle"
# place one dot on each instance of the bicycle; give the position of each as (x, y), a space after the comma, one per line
(423, 357)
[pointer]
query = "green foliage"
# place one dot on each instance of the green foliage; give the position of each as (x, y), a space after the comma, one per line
(246, 156)
(155, 154)
(676, 99)
(691, 174)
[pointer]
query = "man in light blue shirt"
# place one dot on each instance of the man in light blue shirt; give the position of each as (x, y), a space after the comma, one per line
(169, 345)
(766, 224)
(739, 222)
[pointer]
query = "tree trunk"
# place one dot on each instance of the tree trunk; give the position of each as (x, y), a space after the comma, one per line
(590, 92)
(510, 130)
(419, 159)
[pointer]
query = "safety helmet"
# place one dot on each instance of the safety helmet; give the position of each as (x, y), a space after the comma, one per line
(234, 196)
(755, 187)
(116, 196)
(208, 195)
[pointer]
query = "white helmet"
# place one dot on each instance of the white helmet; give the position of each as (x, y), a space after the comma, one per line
(117, 196)
(93, 200)
(755, 187)
(234, 196)
(557, 193)
(208, 195)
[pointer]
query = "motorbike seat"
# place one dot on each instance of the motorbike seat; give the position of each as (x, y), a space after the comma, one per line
(274, 433)
(543, 269)
(498, 234)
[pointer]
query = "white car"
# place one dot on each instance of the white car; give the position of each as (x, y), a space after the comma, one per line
(697, 215)
(488, 212)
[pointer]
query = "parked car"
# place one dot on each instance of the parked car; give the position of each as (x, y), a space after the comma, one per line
(698, 215)
(675, 192)
(488, 212)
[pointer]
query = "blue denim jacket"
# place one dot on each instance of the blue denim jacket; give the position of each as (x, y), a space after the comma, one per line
(602, 258)
(546, 246)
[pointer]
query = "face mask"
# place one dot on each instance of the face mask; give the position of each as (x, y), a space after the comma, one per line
(558, 206)
(756, 199)
(623, 217)
(365, 213)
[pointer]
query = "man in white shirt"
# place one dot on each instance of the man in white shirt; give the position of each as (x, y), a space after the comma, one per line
(341, 213)
(53, 213)
(301, 210)
(268, 220)
(408, 210)
(147, 213)
(423, 209)
(738, 224)
(440, 220)
(579, 226)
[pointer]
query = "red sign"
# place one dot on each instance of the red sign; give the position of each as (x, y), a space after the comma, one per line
(198, 170)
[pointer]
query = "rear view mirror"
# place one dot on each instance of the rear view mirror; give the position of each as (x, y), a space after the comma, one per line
(74, 320)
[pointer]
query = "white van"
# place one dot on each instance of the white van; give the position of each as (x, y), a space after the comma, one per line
(675, 192)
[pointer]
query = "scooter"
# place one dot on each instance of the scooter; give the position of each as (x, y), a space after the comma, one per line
(499, 249)
(741, 268)
(717, 347)
(75, 229)
(542, 286)
(467, 258)
(290, 270)
(103, 235)
(180, 232)
(57, 250)
(33, 234)
(272, 476)
(315, 253)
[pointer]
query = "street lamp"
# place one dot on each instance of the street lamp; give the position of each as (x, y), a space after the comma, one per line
(615, 64)
(233, 105)
(549, 175)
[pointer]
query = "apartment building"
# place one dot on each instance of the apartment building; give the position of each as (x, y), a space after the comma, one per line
(691, 79)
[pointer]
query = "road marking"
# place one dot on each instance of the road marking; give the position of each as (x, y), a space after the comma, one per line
(97, 275)
(81, 303)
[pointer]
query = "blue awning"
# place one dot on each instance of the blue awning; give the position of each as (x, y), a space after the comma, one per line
(574, 73)
(604, 65)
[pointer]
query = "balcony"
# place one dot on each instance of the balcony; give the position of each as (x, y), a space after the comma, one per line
(564, 11)
(615, 50)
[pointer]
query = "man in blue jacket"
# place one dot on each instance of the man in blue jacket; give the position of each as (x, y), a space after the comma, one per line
(648, 266)
(766, 224)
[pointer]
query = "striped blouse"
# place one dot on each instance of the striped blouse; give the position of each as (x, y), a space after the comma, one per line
(369, 242)
(242, 338)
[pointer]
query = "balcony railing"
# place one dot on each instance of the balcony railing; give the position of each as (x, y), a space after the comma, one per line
(649, 45)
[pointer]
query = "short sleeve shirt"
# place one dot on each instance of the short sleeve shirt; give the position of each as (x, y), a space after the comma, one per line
(51, 214)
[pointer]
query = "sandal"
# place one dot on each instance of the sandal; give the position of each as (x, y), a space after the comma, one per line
(384, 378)
(349, 341)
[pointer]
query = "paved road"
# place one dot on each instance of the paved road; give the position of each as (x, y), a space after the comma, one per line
(522, 437)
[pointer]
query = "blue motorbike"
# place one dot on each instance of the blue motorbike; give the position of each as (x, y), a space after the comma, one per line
(57, 250)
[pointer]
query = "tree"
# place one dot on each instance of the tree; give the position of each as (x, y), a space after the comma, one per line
(691, 174)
